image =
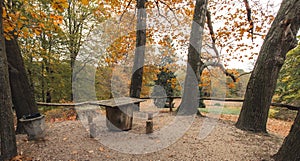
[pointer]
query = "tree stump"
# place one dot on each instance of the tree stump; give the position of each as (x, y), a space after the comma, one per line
(34, 127)
(92, 126)
(149, 124)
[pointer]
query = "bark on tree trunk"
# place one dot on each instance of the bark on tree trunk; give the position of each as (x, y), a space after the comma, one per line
(290, 149)
(7, 131)
(190, 99)
(136, 79)
(73, 76)
(280, 39)
(22, 94)
(75, 28)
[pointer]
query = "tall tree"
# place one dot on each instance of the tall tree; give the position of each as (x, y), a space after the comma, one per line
(75, 19)
(280, 39)
(22, 93)
(290, 149)
(136, 79)
(79, 20)
(190, 100)
(7, 131)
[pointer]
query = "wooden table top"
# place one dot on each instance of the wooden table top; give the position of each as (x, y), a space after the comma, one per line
(116, 102)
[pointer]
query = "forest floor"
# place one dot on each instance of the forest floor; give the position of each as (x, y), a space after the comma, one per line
(213, 137)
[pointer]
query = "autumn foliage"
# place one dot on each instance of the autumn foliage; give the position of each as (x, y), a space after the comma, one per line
(50, 42)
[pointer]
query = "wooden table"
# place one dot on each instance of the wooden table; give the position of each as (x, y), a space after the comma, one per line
(119, 112)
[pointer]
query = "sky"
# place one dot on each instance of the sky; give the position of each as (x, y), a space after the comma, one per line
(181, 51)
(248, 65)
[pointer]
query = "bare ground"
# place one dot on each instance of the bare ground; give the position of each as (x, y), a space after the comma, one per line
(219, 140)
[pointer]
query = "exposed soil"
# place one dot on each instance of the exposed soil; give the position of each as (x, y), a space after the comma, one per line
(208, 138)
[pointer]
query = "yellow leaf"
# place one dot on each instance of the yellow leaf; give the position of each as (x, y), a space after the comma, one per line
(85, 2)
(23, 18)
(37, 32)
(231, 85)
(4, 14)
(7, 37)
(25, 29)
(10, 28)
(101, 149)
(60, 5)
(41, 25)
(18, 157)
(19, 24)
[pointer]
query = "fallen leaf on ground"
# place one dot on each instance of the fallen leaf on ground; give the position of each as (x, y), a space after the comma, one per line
(101, 149)
(75, 152)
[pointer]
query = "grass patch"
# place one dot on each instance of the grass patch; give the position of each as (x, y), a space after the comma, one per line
(220, 110)
(229, 110)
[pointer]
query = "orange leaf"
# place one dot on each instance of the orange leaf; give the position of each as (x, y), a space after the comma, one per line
(85, 2)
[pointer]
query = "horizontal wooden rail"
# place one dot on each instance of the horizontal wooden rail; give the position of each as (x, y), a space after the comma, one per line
(62, 104)
(223, 99)
(202, 98)
(290, 107)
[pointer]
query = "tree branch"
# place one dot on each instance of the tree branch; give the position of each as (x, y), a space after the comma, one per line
(170, 8)
(212, 34)
(210, 26)
(246, 73)
(158, 10)
(251, 30)
(125, 10)
(213, 38)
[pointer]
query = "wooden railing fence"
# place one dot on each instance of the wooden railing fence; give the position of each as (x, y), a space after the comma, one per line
(290, 107)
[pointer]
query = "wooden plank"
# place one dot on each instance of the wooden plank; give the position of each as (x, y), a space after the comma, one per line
(62, 104)
(116, 102)
(118, 119)
(136, 100)
(290, 107)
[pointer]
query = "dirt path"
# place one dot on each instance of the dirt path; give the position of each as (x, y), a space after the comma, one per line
(175, 138)
(69, 140)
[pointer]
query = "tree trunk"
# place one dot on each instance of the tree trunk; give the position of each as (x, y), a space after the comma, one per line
(280, 39)
(7, 131)
(190, 100)
(75, 27)
(136, 79)
(290, 149)
(22, 94)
